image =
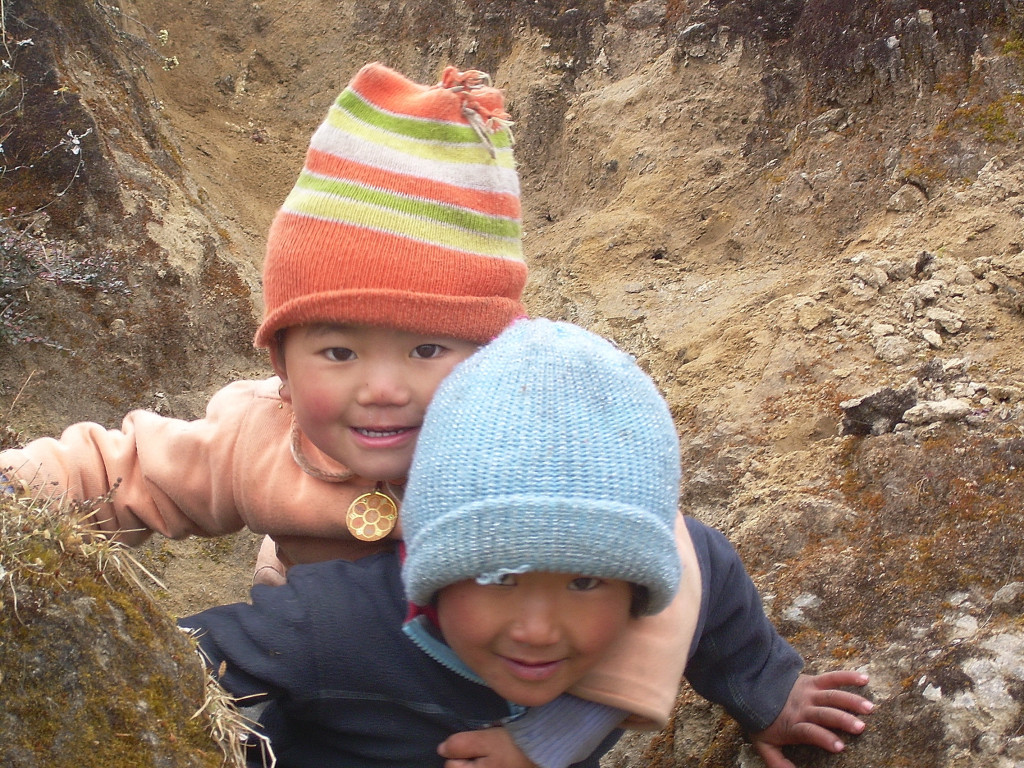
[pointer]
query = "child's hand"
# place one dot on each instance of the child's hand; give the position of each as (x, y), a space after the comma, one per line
(814, 710)
(269, 568)
(489, 748)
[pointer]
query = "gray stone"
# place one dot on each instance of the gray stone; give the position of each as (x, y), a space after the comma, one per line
(952, 409)
(950, 321)
(871, 275)
(932, 337)
(893, 349)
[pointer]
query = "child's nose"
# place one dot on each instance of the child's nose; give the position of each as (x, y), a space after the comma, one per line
(536, 623)
(384, 385)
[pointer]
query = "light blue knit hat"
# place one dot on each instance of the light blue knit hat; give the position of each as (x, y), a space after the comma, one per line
(548, 450)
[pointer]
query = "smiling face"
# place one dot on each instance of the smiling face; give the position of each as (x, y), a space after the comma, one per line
(533, 635)
(359, 393)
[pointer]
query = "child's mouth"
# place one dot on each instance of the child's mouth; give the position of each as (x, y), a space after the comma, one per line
(384, 438)
(529, 670)
(390, 432)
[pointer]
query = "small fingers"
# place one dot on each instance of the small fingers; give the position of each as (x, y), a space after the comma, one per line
(269, 576)
(462, 748)
(840, 678)
(837, 699)
(486, 748)
(817, 736)
(834, 719)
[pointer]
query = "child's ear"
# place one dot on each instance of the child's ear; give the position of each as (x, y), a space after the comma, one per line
(277, 360)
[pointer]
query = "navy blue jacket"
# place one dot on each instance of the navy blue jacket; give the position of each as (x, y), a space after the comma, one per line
(346, 687)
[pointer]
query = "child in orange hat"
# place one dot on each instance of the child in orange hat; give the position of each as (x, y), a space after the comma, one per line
(396, 254)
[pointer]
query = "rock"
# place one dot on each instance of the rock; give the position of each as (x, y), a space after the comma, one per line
(995, 671)
(803, 602)
(901, 270)
(1008, 597)
(878, 412)
(980, 266)
(907, 199)
(810, 314)
(94, 672)
(1014, 749)
(933, 338)
(951, 409)
(645, 14)
(964, 276)
(923, 293)
(1011, 265)
(893, 349)
(999, 280)
(826, 121)
(695, 40)
(869, 274)
(950, 321)
(960, 389)
(635, 287)
(984, 287)
(1005, 393)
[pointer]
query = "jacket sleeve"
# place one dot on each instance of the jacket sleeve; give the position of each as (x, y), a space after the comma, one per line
(738, 659)
(167, 475)
(641, 674)
(261, 650)
(564, 731)
(329, 622)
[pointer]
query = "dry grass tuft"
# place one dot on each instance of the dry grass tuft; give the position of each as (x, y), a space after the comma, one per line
(30, 527)
(230, 728)
(49, 559)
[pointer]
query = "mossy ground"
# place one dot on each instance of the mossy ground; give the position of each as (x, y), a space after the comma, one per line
(90, 664)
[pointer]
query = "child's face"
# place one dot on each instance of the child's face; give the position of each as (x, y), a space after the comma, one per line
(534, 635)
(359, 393)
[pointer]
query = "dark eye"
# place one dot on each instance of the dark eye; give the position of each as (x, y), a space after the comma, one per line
(427, 351)
(584, 583)
(339, 354)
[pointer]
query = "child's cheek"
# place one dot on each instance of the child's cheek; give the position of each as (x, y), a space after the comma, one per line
(315, 406)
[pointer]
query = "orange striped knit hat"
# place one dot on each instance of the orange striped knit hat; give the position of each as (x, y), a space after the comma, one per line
(406, 214)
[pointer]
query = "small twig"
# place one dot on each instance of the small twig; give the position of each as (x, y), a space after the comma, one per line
(14, 402)
(3, 28)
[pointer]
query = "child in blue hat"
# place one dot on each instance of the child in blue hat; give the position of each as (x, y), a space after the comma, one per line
(540, 524)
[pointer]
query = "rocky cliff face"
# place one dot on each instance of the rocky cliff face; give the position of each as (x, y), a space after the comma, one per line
(803, 217)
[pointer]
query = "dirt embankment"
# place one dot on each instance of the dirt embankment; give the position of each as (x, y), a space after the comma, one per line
(798, 215)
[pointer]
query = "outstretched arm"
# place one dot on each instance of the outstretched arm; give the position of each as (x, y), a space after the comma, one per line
(741, 662)
(738, 660)
(171, 476)
(814, 711)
